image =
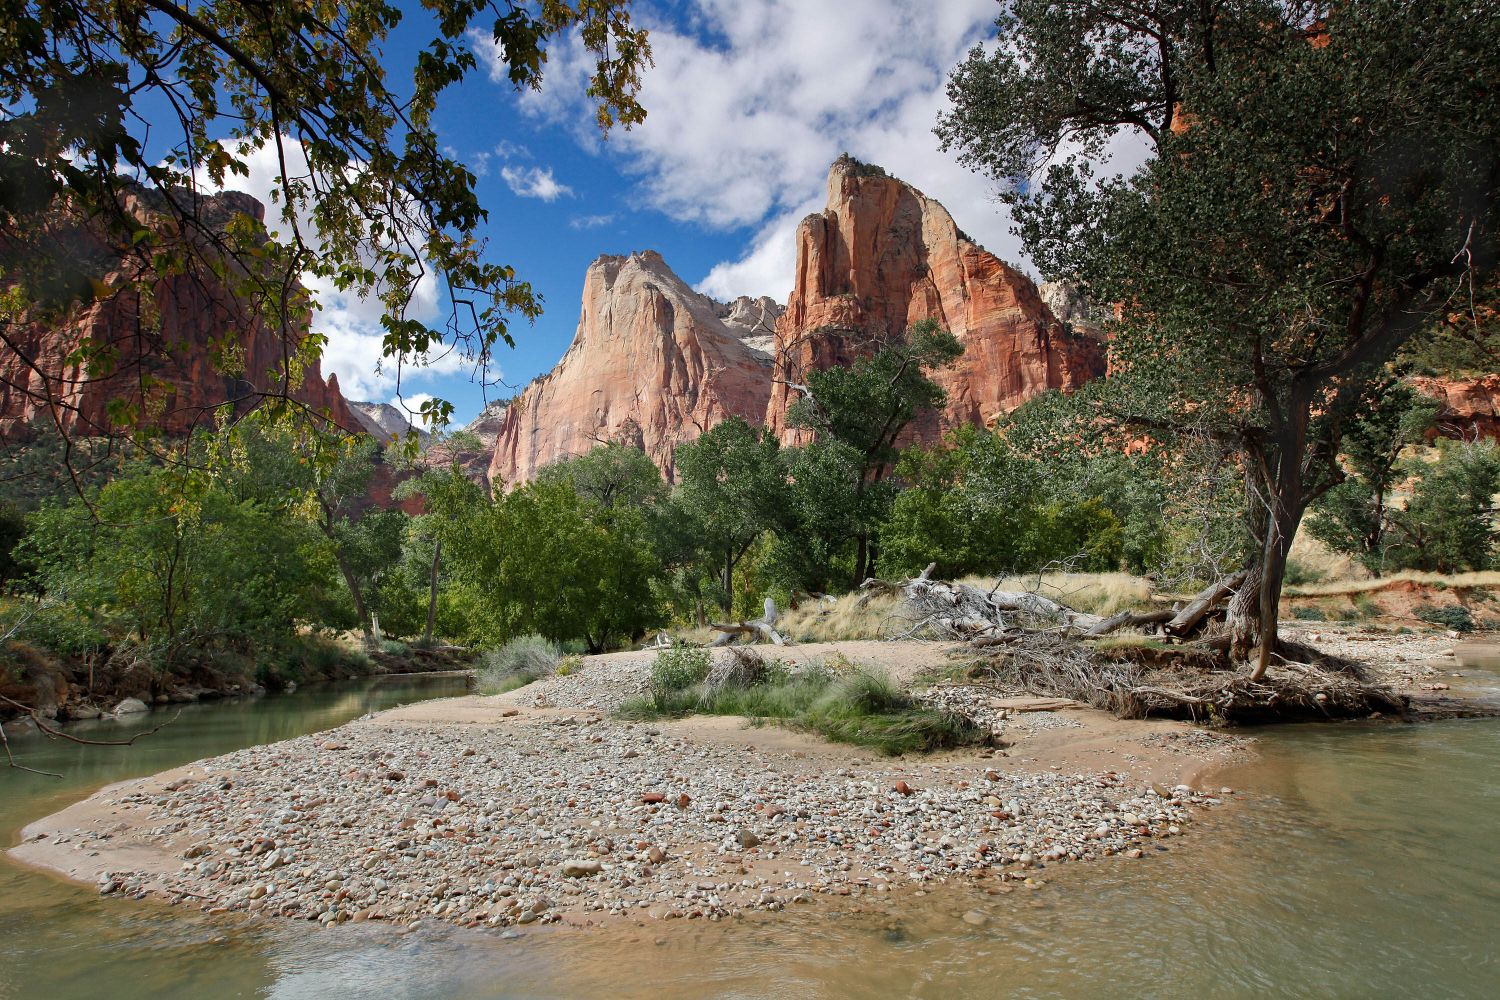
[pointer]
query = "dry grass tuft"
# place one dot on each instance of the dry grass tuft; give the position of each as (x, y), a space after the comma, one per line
(1102, 594)
(849, 617)
(1485, 580)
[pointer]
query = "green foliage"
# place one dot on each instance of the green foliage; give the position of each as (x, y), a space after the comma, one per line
(1354, 516)
(1454, 617)
(675, 670)
(517, 663)
(857, 413)
(731, 489)
(370, 202)
(163, 559)
(1309, 614)
(857, 706)
(1449, 525)
(544, 560)
(1321, 188)
(610, 475)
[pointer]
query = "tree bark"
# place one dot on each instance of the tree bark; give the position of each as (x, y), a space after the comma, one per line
(432, 591)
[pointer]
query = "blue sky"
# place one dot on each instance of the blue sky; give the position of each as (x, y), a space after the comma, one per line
(748, 103)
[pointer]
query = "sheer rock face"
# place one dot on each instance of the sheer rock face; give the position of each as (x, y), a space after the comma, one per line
(883, 256)
(170, 372)
(1470, 407)
(653, 364)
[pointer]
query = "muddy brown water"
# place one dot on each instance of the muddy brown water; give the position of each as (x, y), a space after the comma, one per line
(1364, 862)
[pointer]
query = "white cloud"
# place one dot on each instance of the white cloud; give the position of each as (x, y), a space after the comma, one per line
(534, 182)
(590, 221)
(751, 100)
(351, 322)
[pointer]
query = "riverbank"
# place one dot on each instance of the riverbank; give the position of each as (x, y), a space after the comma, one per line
(523, 808)
(69, 689)
(537, 806)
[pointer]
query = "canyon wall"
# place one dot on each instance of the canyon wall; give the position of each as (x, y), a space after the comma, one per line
(653, 364)
(883, 256)
(181, 349)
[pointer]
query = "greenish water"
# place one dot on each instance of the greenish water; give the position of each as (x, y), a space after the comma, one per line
(1364, 865)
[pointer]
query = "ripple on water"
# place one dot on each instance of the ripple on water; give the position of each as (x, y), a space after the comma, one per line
(1363, 866)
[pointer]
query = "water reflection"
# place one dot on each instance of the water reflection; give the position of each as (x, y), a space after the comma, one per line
(1364, 867)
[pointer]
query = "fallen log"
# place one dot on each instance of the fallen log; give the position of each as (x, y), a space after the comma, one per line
(1186, 621)
(1129, 619)
(763, 628)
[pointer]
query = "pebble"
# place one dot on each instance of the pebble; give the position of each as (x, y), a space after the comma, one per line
(501, 825)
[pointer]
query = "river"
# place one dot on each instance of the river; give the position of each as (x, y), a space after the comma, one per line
(1364, 863)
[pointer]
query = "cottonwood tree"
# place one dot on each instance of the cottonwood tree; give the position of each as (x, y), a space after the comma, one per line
(1320, 183)
(857, 414)
(116, 116)
(731, 489)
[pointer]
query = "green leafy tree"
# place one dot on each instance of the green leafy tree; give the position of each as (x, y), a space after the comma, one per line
(120, 113)
(1449, 525)
(1353, 516)
(544, 560)
(731, 489)
(449, 499)
(164, 564)
(610, 475)
(1321, 182)
(857, 414)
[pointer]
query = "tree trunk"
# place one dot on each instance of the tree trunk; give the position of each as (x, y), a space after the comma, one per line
(358, 596)
(1275, 513)
(432, 592)
(726, 581)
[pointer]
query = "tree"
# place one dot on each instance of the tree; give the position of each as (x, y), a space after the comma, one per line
(610, 475)
(731, 489)
(160, 562)
(115, 117)
(1449, 526)
(449, 498)
(543, 559)
(863, 409)
(364, 543)
(1353, 516)
(1321, 184)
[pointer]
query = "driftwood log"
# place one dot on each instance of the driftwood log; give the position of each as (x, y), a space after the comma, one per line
(762, 629)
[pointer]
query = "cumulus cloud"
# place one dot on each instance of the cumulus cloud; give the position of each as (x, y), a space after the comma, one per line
(350, 321)
(751, 100)
(534, 182)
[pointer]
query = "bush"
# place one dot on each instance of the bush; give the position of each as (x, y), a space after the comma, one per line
(517, 663)
(1300, 572)
(1453, 616)
(1309, 614)
(677, 668)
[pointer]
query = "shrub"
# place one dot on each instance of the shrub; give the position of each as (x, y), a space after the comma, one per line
(855, 706)
(393, 647)
(1309, 614)
(517, 663)
(1300, 572)
(569, 665)
(677, 668)
(1453, 616)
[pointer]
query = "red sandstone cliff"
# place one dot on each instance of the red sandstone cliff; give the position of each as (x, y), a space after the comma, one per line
(207, 348)
(883, 256)
(653, 363)
(1470, 406)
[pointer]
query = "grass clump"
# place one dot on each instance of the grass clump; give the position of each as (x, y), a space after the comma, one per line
(858, 706)
(1102, 594)
(517, 663)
